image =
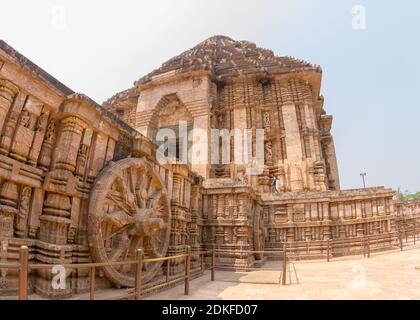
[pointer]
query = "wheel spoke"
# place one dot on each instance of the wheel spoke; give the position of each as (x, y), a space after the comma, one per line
(129, 200)
(118, 203)
(131, 177)
(122, 229)
(156, 199)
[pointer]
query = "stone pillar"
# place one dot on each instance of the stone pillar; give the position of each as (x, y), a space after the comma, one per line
(328, 148)
(44, 160)
(326, 221)
(8, 208)
(23, 213)
(60, 189)
(332, 162)
(240, 123)
(194, 228)
(176, 189)
(68, 144)
(9, 124)
(289, 213)
(36, 211)
(39, 136)
(60, 183)
(293, 146)
(8, 92)
(200, 156)
(55, 219)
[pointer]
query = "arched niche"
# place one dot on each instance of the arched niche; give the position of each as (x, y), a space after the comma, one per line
(171, 113)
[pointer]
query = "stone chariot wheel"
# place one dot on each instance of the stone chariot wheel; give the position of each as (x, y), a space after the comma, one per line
(259, 232)
(129, 209)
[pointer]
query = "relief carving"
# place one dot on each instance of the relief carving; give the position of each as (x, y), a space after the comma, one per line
(129, 208)
(23, 213)
(44, 160)
(40, 128)
(8, 208)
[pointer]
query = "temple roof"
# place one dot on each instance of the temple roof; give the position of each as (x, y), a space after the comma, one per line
(226, 57)
(125, 95)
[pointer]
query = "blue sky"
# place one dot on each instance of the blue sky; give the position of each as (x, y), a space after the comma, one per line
(370, 79)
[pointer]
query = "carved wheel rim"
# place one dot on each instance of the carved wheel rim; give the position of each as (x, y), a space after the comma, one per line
(259, 232)
(129, 209)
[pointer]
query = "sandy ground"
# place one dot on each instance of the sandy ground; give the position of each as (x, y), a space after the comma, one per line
(388, 275)
(391, 275)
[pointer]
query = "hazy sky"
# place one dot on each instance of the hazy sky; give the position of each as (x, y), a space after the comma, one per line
(370, 82)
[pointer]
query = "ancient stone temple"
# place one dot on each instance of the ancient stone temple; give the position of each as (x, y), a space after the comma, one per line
(83, 182)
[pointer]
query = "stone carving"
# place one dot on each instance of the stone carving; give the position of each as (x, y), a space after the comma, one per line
(8, 131)
(50, 131)
(266, 120)
(259, 231)
(25, 119)
(129, 209)
(8, 208)
(81, 159)
(46, 151)
(22, 216)
(268, 152)
(39, 136)
(8, 92)
(73, 189)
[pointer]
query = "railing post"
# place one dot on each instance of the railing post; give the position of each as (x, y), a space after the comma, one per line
(328, 250)
(415, 234)
(368, 247)
(92, 283)
(23, 273)
(213, 263)
(283, 278)
(202, 261)
(167, 269)
(187, 271)
(139, 269)
(364, 247)
(400, 239)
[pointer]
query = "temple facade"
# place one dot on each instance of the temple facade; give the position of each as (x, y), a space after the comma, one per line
(83, 182)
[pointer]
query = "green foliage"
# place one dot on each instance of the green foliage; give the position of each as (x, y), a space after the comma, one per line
(412, 196)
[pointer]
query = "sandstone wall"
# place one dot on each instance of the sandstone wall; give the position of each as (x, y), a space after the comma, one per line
(314, 218)
(53, 145)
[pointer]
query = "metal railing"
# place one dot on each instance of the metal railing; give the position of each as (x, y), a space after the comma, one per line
(283, 268)
(24, 268)
(287, 253)
(324, 249)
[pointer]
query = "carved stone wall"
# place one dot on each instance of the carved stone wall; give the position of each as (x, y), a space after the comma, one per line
(229, 210)
(313, 218)
(185, 206)
(290, 116)
(60, 152)
(49, 161)
(53, 145)
(407, 219)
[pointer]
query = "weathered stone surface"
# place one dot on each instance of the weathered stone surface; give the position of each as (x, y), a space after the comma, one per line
(80, 182)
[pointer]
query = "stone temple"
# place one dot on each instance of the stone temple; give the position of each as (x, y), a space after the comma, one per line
(81, 182)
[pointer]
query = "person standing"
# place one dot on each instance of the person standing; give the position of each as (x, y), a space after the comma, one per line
(278, 185)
